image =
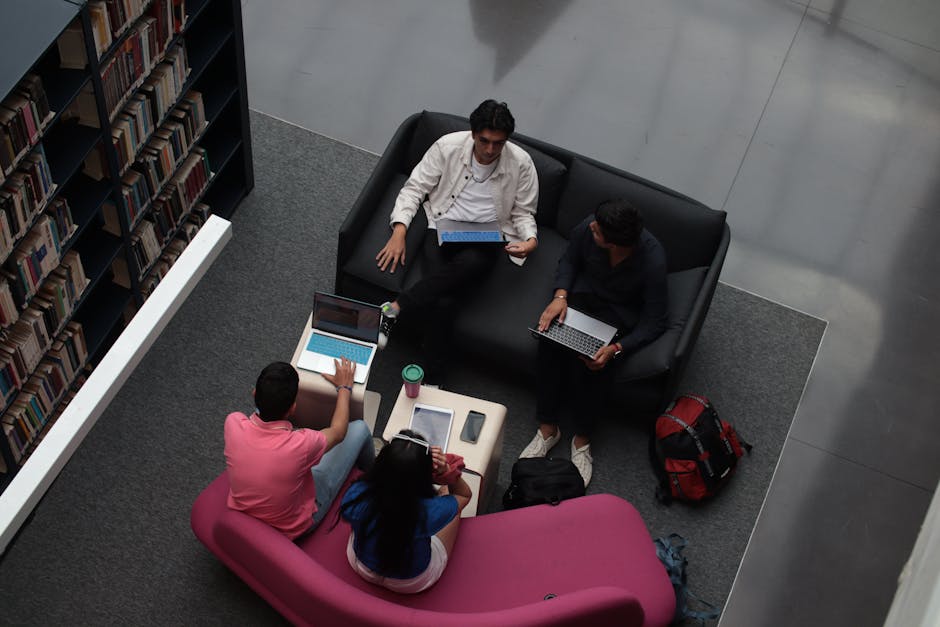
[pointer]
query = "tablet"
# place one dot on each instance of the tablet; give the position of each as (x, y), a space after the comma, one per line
(433, 423)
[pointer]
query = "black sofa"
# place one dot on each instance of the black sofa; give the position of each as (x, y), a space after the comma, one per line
(493, 324)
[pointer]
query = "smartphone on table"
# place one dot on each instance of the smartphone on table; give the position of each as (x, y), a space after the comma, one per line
(472, 427)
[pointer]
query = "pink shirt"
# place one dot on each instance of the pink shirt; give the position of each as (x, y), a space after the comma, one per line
(269, 470)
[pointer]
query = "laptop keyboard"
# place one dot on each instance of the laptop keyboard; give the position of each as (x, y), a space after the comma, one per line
(463, 237)
(336, 348)
(578, 340)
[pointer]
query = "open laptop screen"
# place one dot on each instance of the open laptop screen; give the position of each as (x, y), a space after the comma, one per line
(346, 317)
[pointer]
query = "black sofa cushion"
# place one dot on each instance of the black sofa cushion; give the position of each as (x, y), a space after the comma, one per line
(657, 357)
(362, 264)
(495, 318)
(430, 128)
(551, 173)
(689, 231)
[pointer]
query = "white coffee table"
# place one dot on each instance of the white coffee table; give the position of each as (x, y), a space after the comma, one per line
(482, 458)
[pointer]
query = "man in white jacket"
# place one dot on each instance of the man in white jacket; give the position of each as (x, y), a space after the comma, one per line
(471, 176)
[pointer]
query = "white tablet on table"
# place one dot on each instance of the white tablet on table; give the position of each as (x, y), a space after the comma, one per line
(433, 423)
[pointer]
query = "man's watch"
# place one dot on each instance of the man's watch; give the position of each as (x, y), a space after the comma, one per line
(618, 348)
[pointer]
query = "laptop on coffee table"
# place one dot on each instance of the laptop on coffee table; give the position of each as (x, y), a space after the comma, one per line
(341, 327)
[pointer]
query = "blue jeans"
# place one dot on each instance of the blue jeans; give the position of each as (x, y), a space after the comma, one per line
(330, 474)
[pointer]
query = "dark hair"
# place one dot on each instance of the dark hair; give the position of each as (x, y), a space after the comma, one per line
(494, 116)
(620, 222)
(276, 390)
(395, 486)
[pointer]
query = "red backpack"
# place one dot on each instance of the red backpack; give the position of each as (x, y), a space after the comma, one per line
(693, 451)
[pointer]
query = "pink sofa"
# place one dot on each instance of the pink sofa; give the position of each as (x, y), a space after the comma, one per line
(593, 553)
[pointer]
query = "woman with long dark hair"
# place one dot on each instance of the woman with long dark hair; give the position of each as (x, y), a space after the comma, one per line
(403, 529)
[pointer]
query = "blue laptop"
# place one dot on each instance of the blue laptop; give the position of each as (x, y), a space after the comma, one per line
(459, 232)
(341, 327)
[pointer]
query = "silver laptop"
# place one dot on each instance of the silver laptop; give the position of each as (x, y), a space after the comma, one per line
(579, 332)
(341, 327)
(459, 232)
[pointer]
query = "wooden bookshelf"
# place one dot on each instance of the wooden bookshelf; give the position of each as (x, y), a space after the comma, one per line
(72, 147)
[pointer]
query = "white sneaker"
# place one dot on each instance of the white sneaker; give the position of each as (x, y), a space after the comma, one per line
(582, 460)
(539, 446)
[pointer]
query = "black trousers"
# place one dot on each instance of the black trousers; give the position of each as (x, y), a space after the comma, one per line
(453, 271)
(563, 377)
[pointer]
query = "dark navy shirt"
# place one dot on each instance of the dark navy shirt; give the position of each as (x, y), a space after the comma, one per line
(631, 296)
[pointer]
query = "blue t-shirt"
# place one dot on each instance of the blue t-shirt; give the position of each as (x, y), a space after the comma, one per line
(438, 511)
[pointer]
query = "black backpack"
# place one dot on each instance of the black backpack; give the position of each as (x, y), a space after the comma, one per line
(540, 480)
(693, 451)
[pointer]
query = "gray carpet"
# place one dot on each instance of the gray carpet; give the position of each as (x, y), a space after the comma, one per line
(111, 544)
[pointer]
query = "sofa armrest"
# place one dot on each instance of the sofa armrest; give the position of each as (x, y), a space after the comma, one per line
(393, 161)
(601, 606)
(304, 592)
(652, 373)
(693, 326)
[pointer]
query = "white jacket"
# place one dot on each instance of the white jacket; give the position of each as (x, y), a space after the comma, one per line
(445, 169)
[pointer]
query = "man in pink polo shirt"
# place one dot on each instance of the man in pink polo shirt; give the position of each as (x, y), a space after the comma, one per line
(287, 476)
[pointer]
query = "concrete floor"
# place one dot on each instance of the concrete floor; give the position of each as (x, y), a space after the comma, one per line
(816, 127)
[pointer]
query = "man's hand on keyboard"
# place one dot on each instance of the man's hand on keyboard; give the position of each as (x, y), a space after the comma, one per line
(344, 372)
(557, 308)
(603, 355)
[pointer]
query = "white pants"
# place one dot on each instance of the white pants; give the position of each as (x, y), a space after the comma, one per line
(404, 586)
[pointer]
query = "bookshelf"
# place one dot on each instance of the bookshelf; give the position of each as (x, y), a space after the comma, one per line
(123, 127)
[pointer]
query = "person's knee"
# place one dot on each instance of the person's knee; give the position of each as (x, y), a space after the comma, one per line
(358, 430)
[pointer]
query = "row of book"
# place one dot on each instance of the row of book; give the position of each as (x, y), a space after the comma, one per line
(23, 197)
(110, 18)
(187, 231)
(37, 255)
(163, 154)
(23, 115)
(23, 344)
(109, 21)
(124, 72)
(132, 62)
(172, 207)
(166, 151)
(134, 132)
(47, 392)
(120, 13)
(55, 301)
(168, 147)
(145, 110)
(135, 124)
(178, 199)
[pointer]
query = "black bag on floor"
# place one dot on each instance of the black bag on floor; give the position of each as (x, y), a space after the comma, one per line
(693, 451)
(539, 480)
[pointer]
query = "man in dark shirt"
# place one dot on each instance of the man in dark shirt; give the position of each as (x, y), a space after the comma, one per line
(613, 270)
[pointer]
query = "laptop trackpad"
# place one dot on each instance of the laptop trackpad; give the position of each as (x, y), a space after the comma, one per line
(325, 365)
